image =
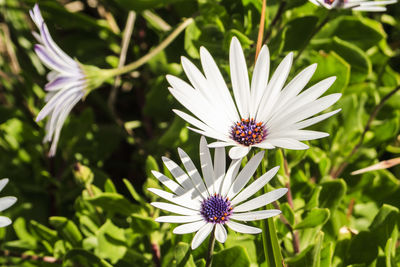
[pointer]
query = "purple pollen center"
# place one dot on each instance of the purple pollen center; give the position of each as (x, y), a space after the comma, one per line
(216, 209)
(248, 132)
(330, 2)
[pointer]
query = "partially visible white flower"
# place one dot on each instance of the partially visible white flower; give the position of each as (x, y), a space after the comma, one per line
(68, 81)
(5, 203)
(218, 199)
(265, 114)
(358, 5)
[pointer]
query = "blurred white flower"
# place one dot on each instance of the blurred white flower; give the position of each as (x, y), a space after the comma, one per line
(68, 81)
(5, 203)
(216, 200)
(266, 114)
(358, 5)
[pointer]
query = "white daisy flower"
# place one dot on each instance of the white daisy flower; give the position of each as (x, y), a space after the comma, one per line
(68, 82)
(5, 203)
(358, 5)
(218, 199)
(266, 114)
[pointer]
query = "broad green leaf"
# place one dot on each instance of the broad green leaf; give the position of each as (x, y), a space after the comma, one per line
(43, 231)
(113, 203)
(183, 256)
(316, 217)
(144, 225)
(362, 249)
(332, 193)
(299, 32)
(111, 242)
(231, 257)
(384, 224)
(67, 229)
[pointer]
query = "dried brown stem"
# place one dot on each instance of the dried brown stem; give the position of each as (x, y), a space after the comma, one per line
(261, 29)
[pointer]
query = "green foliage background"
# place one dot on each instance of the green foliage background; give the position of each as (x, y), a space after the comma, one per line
(88, 206)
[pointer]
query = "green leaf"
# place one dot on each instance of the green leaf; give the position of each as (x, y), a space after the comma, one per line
(311, 256)
(384, 224)
(332, 194)
(144, 225)
(231, 257)
(331, 64)
(299, 32)
(183, 256)
(362, 249)
(109, 186)
(67, 229)
(111, 242)
(327, 255)
(316, 217)
(133, 192)
(44, 232)
(358, 60)
(151, 165)
(113, 203)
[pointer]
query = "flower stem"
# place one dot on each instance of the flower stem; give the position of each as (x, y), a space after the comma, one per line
(261, 29)
(210, 251)
(275, 20)
(136, 64)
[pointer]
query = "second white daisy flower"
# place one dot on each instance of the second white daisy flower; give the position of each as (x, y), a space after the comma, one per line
(218, 199)
(265, 114)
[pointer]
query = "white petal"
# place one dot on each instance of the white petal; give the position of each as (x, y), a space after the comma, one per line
(245, 174)
(294, 87)
(255, 186)
(239, 77)
(274, 88)
(288, 143)
(219, 167)
(300, 135)
(174, 208)
(201, 235)
(242, 228)
(264, 145)
(314, 120)
(261, 200)
(255, 215)
(182, 201)
(6, 202)
(200, 83)
(193, 173)
(189, 227)
(259, 80)
(174, 187)
(238, 152)
(179, 219)
(180, 176)
(3, 183)
(4, 221)
(304, 112)
(220, 233)
(220, 144)
(206, 165)
(230, 176)
(214, 76)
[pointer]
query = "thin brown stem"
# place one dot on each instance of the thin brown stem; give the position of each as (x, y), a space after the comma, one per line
(295, 235)
(155, 249)
(261, 29)
(23, 256)
(338, 171)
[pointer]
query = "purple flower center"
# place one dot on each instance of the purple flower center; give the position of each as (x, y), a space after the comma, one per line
(330, 2)
(216, 209)
(248, 132)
